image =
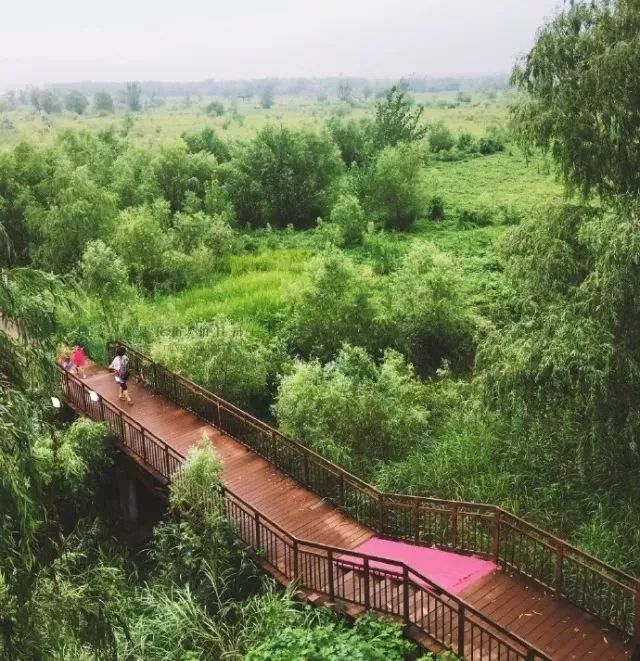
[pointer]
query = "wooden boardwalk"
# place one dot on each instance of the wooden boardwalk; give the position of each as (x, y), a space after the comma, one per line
(557, 628)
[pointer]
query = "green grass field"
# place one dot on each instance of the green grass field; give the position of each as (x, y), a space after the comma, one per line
(159, 125)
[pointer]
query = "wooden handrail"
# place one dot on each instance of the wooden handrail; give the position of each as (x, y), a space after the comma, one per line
(410, 579)
(480, 528)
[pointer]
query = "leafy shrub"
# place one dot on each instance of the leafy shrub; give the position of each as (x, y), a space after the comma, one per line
(207, 140)
(354, 411)
(480, 217)
(354, 139)
(201, 230)
(71, 463)
(215, 108)
(435, 208)
(467, 143)
(283, 177)
(384, 253)
(60, 225)
(395, 186)
(182, 176)
(348, 215)
(141, 241)
(330, 307)
(440, 138)
(493, 142)
(104, 275)
(428, 311)
(370, 638)
(219, 355)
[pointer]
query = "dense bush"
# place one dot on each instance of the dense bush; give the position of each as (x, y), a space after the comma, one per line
(220, 356)
(207, 140)
(347, 214)
(141, 241)
(182, 176)
(440, 138)
(432, 321)
(384, 253)
(331, 307)
(478, 217)
(60, 225)
(435, 208)
(283, 177)
(215, 108)
(71, 463)
(104, 276)
(354, 411)
(354, 139)
(396, 196)
(369, 638)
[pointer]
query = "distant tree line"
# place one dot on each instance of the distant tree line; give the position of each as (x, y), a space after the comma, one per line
(345, 88)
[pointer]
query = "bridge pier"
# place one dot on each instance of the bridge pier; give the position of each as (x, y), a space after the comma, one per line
(128, 496)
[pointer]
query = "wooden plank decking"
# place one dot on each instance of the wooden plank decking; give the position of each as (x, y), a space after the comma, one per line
(554, 626)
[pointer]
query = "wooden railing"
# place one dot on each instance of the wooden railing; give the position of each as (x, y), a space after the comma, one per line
(385, 586)
(487, 530)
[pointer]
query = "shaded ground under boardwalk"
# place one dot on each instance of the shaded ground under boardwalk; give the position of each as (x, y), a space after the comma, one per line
(554, 626)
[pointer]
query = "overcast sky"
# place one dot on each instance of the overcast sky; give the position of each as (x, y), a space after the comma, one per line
(44, 41)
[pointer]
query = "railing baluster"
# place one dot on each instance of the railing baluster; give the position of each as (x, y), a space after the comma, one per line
(461, 623)
(405, 594)
(331, 588)
(559, 567)
(495, 550)
(257, 529)
(454, 525)
(367, 585)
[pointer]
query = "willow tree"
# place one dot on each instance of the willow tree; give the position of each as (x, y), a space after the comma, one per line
(580, 96)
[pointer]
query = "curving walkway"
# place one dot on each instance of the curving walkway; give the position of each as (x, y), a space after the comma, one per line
(555, 627)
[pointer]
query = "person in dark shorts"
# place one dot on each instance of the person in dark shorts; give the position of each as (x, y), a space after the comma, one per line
(120, 365)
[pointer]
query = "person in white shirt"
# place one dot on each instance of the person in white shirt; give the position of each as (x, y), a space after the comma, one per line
(120, 365)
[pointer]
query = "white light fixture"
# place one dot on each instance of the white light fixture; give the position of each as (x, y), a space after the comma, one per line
(93, 396)
(55, 402)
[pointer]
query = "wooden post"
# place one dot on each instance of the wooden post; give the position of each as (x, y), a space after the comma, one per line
(166, 462)
(454, 525)
(496, 535)
(341, 488)
(101, 408)
(122, 434)
(306, 469)
(274, 447)
(405, 594)
(531, 655)
(330, 572)
(461, 621)
(380, 514)
(367, 585)
(416, 521)
(295, 560)
(559, 558)
(256, 519)
(144, 445)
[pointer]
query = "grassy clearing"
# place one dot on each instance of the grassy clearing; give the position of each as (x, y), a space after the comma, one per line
(252, 293)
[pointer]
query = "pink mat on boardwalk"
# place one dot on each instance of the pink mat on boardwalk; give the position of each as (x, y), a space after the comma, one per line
(450, 571)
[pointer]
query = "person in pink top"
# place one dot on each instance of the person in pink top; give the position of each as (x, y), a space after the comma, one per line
(79, 360)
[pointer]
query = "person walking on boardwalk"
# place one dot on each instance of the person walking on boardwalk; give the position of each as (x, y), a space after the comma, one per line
(120, 365)
(79, 360)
